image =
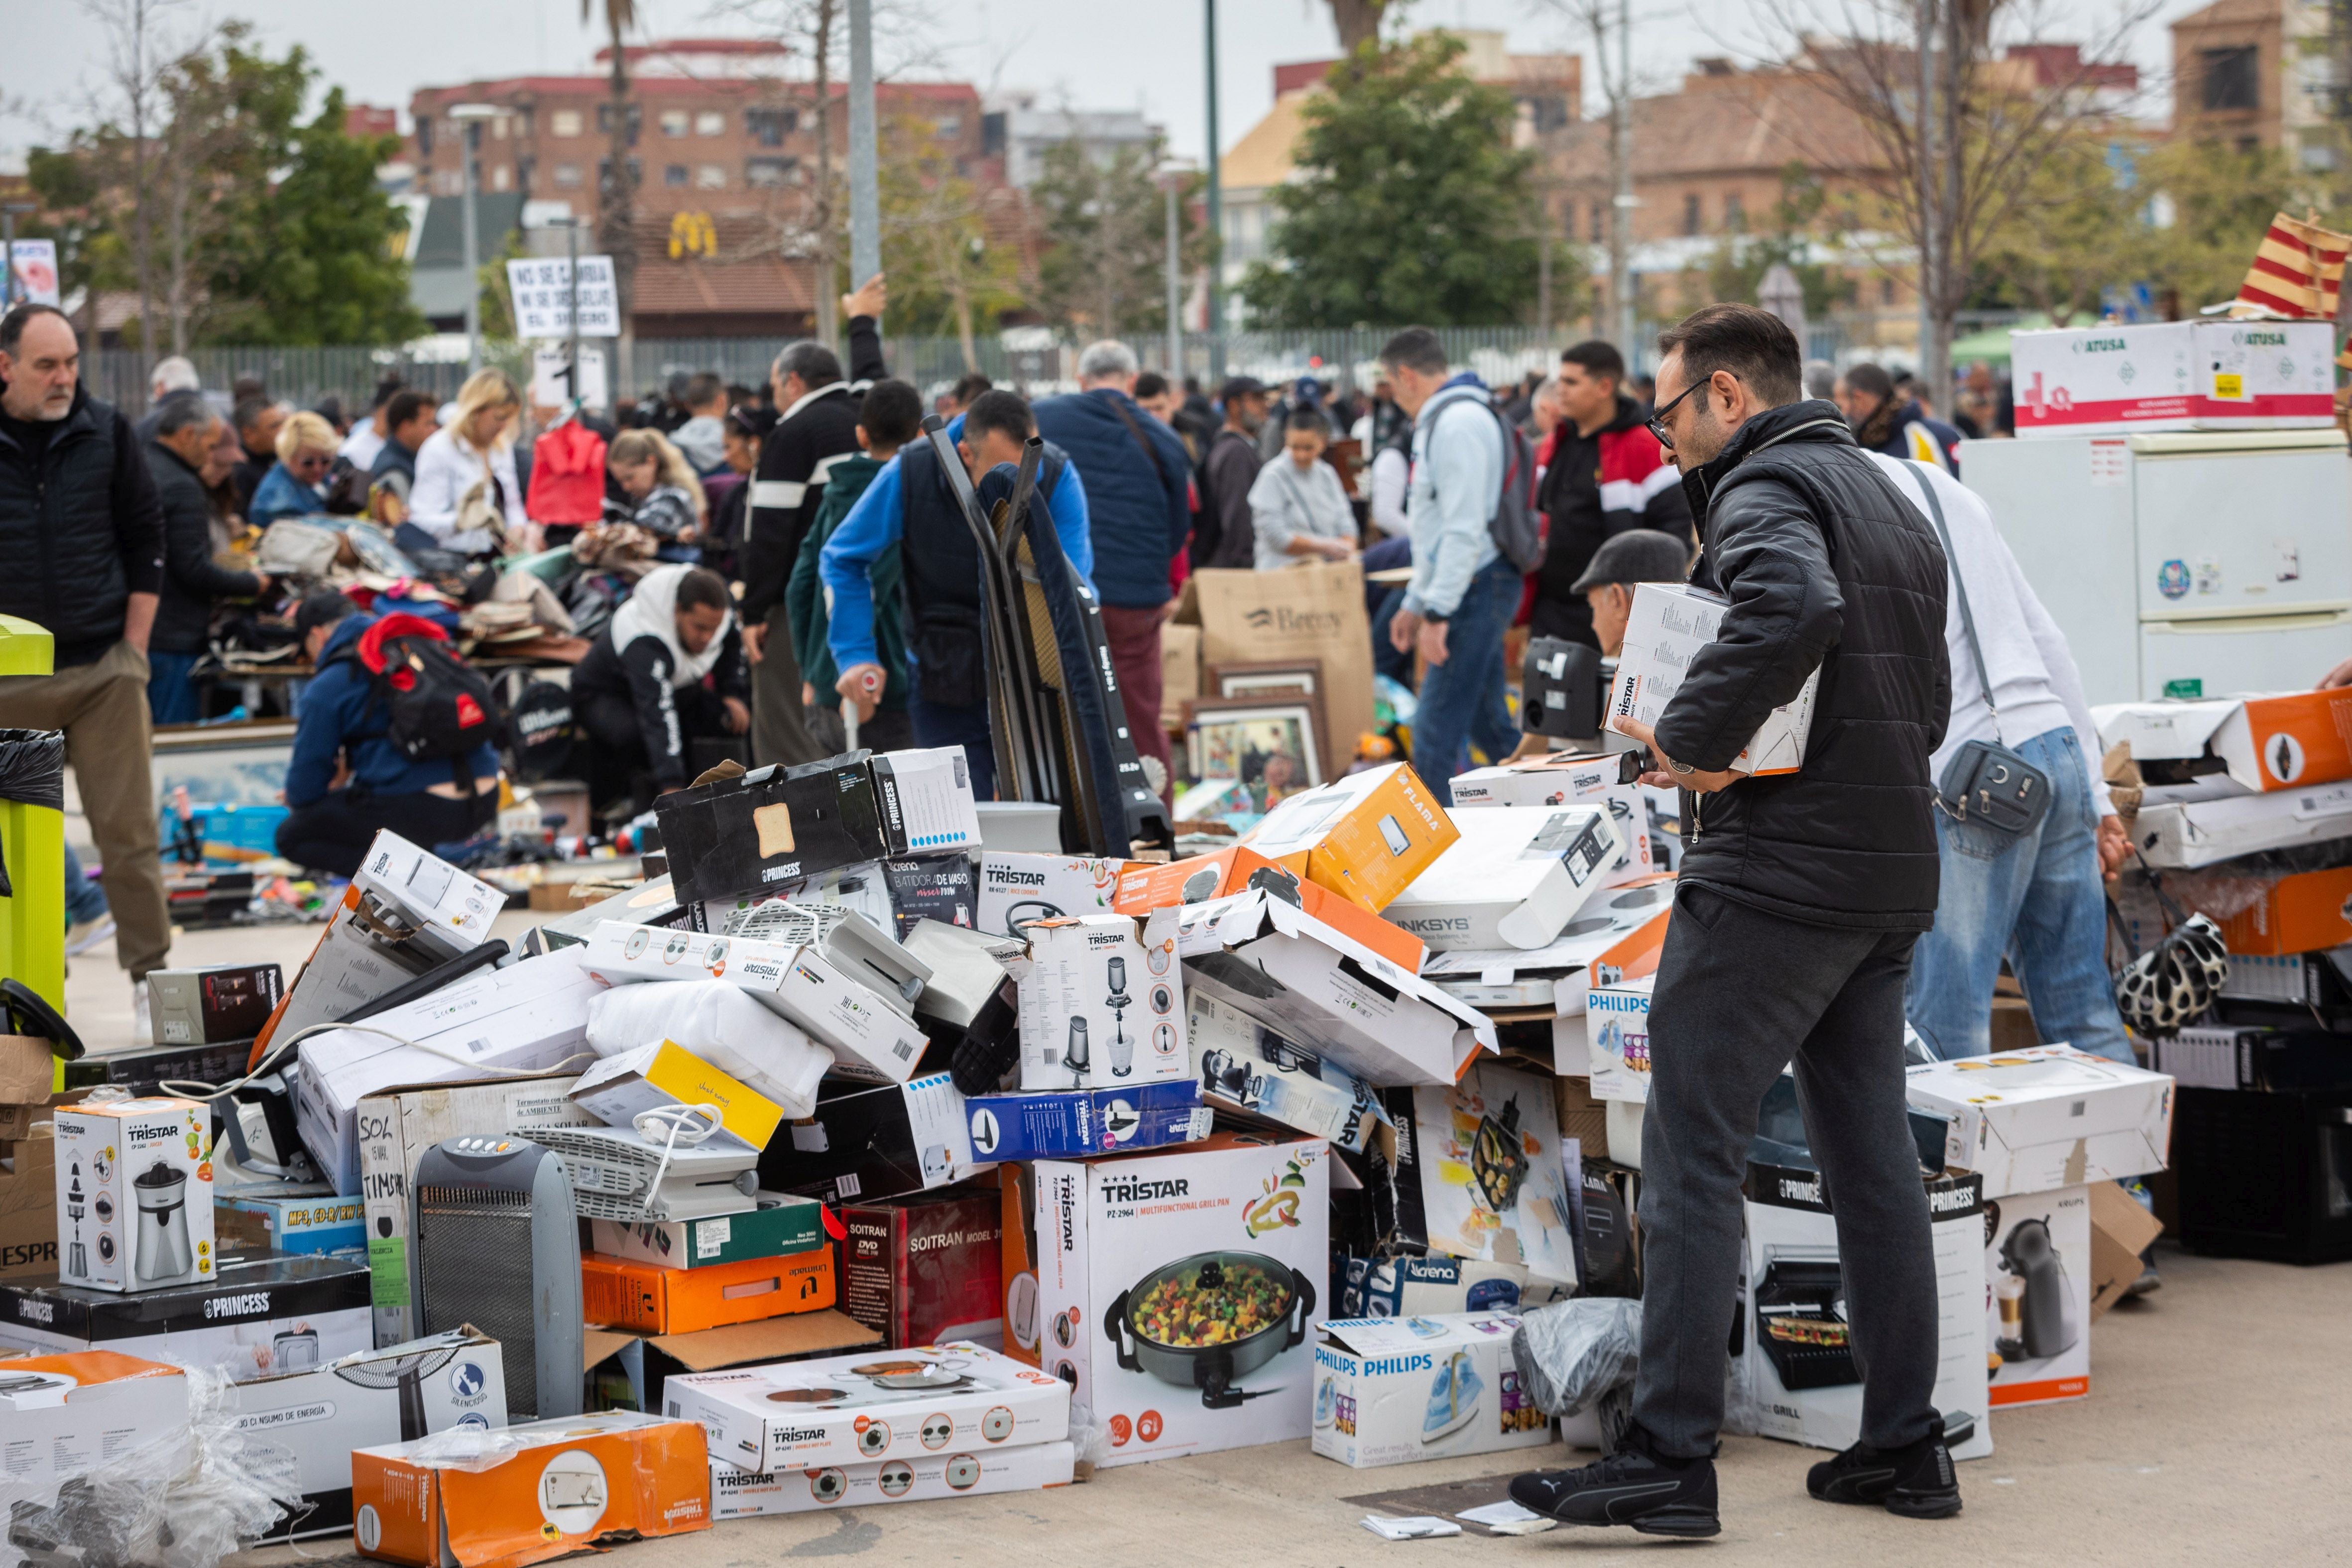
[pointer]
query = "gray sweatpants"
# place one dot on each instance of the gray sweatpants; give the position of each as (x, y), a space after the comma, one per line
(1740, 993)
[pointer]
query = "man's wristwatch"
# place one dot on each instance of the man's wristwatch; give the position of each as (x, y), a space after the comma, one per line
(1680, 770)
(1432, 618)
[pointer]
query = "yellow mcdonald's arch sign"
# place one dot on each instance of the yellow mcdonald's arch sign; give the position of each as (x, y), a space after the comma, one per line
(692, 234)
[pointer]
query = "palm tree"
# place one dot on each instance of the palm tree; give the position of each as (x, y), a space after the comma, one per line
(616, 192)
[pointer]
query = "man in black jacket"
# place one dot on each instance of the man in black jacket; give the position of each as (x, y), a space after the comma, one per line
(81, 554)
(186, 430)
(1800, 898)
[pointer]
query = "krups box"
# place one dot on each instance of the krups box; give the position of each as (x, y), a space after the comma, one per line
(219, 1002)
(2036, 1294)
(254, 1318)
(1669, 625)
(923, 1270)
(1102, 1003)
(134, 1194)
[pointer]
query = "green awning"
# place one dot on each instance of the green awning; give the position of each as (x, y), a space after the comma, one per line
(1992, 343)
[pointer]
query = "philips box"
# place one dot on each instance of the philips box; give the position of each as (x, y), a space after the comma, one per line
(747, 1494)
(1617, 1034)
(257, 1318)
(1244, 1065)
(1567, 778)
(1069, 1123)
(1669, 625)
(134, 1194)
(1102, 1003)
(2036, 1288)
(1513, 879)
(2031, 1121)
(2174, 376)
(1395, 1390)
(1018, 890)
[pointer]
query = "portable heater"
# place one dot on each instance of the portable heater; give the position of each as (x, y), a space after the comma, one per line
(616, 1174)
(496, 1244)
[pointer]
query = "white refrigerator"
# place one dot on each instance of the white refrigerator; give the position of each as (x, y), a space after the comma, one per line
(2197, 563)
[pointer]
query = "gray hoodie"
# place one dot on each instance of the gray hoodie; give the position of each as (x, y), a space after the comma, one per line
(703, 439)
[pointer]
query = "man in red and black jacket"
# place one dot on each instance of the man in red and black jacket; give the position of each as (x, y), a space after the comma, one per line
(1603, 474)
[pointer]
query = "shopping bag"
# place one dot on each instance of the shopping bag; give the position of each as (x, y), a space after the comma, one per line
(1299, 612)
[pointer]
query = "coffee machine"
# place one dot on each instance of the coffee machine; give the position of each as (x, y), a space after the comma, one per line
(2038, 1309)
(165, 1257)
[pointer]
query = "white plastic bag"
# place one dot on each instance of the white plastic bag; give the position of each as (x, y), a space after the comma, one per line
(721, 1023)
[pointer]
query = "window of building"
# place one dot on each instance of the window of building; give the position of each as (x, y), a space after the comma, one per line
(1691, 216)
(2232, 77)
(567, 176)
(949, 126)
(711, 177)
(605, 120)
(1886, 291)
(604, 172)
(499, 127)
(1601, 223)
(673, 121)
(502, 178)
(1735, 213)
(563, 123)
(711, 123)
(424, 136)
(769, 170)
(674, 174)
(768, 127)
(525, 168)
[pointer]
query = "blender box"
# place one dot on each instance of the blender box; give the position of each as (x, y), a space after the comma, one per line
(1102, 1002)
(134, 1194)
(1177, 1292)
(1513, 879)
(925, 1270)
(747, 1494)
(662, 1076)
(1567, 778)
(509, 1496)
(1364, 837)
(2292, 740)
(64, 1411)
(1670, 625)
(1062, 1124)
(875, 1143)
(781, 1226)
(2036, 1288)
(2173, 376)
(1143, 888)
(1791, 1341)
(2031, 1121)
(246, 1225)
(1016, 890)
(648, 1298)
(219, 1002)
(1244, 1065)
(1395, 1390)
(255, 1318)
(1487, 1154)
(876, 1404)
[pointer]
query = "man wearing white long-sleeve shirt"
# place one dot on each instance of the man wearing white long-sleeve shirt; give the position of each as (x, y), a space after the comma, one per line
(2034, 897)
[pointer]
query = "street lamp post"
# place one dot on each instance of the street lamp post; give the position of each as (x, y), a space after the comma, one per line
(469, 118)
(1171, 181)
(865, 179)
(8, 211)
(1216, 213)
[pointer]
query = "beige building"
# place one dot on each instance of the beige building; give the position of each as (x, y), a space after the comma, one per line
(2256, 73)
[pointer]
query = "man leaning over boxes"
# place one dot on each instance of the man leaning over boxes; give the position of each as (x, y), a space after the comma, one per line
(1800, 899)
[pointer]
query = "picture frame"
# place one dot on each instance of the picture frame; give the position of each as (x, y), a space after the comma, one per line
(1265, 678)
(1271, 743)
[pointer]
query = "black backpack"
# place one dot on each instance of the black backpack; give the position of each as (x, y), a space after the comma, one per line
(439, 705)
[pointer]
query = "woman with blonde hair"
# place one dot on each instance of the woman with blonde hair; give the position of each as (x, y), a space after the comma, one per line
(292, 487)
(666, 496)
(464, 495)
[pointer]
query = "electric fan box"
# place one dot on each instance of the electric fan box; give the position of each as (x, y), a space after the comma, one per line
(1016, 889)
(1567, 778)
(1395, 1390)
(2031, 1121)
(1486, 1154)
(1514, 878)
(876, 1404)
(1364, 837)
(255, 1318)
(2034, 1289)
(1669, 625)
(1102, 1003)
(747, 1494)
(308, 1423)
(1790, 1341)
(134, 1194)
(1244, 1065)
(1166, 1363)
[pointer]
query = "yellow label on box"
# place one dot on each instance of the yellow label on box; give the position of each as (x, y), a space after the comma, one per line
(2229, 384)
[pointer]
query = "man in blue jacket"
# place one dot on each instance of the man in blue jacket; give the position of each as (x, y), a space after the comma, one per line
(909, 504)
(1139, 493)
(347, 779)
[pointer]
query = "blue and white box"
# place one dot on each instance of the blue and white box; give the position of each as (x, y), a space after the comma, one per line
(1065, 1125)
(1395, 1390)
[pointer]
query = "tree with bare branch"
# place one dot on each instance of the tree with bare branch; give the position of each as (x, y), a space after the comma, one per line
(1359, 22)
(617, 192)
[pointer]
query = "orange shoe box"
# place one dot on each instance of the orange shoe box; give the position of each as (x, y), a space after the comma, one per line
(1144, 888)
(516, 1495)
(645, 1298)
(2301, 914)
(1365, 837)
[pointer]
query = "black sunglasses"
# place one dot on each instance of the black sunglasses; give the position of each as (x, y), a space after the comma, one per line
(1657, 421)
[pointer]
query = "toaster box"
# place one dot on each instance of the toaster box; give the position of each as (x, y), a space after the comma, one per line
(768, 828)
(1486, 1156)
(874, 1405)
(781, 1226)
(1177, 1292)
(1669, 625)
(926, 1270)
(1364, 837)
(1102, 1003)
(1395, 1390)
(1567, 778)
(650, 1299)
(256, 1317)
(747, 1494)
(1244, 1065)
(1514, 878)
(1018, 890)
(218, 1002)
(134, 1194)
(2036, 1295)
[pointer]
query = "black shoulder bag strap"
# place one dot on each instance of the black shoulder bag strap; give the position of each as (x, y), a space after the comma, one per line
(1159, 464)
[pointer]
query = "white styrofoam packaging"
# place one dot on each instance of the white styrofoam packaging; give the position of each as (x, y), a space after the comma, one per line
(1513, 879)
(1493, 1183)
(747, 1494)
(1668, 625)
(1617, 1036)
(134, 1194)
(1395, 1390)
(1235, 1232)
(1245, 1065)
(2173, 376)
(1102, 1003)
(2031, 1121)
(2036, 1293)
(1016, 890)
(874, 1405)
(1790, 1342)
(1567, 778)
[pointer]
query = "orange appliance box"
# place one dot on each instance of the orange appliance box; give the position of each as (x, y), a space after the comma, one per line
(2301, 914)
(647, 1298)
(509, 1496)
(2294, 740)
(1017, 1260)
(1144, 888)
(1365, 837)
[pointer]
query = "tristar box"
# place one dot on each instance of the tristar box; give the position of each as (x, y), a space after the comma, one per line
(134, 1194)
(1016, 890)
(1567, 778)
(1395, 1390)
(2302, 912)
(2173, 376)
(260, 1316)
(1793, 1338)
(782, 1225)
(926, 801)
(1312, 984)
(219, 1002)
(1143, 888)
(2037, 1267)
(396, 1125)
(1244, 1065)
(530, 1016)
(28, 1208)
(2031, 1121)
(875, 1143)
(1066, 1124)
(2184, 827)
(663, 1076)
(1617, 1034)
(1493, 1185)
(245, 1226)
(746, 1494)
(1102, 1002)
(1669, 627)
(771, 826)
(307, 1422)
(648, 1298)
(2294, 740)
(516, 1495)
(1364, 837)
(880, 1405)
(1429, 1287)
(925, 1270)
(1514, 878)
(60, 1413)
(1177, 1292)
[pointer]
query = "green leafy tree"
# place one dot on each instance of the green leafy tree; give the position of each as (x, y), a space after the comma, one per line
(1409, 204)
(1801, 216)
(946, 273)
(2210, 204)
(2081, 229)
(1104, 272)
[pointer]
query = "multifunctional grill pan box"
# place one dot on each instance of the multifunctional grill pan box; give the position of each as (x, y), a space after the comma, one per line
(1229, 1280)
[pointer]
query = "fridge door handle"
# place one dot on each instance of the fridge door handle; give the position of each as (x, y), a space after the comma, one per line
(2233, 625)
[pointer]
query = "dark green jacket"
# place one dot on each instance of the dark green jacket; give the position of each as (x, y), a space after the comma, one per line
(804, 593)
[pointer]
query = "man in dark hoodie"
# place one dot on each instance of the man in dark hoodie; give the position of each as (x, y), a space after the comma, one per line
(186, 430)
(1603, 474)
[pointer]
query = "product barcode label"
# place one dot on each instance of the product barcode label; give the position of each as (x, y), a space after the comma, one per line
(847, 1185)
(904, 1050)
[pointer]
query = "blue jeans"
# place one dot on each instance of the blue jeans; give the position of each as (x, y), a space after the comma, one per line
(84, 899)
(937, 725)
(1462, 699)
(171, 695)
(2036, 899)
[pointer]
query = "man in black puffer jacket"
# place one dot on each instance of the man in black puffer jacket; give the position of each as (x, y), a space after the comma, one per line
(1800, 899)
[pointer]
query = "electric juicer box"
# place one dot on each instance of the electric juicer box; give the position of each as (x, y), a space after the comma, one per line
(1364, 837)
(1395, 1390)
(1670, 625)
(2287, 741)
(1177, 1291)
(1102, 1002)
(1034, 1466)
(2174, 376)
(1016, 890)
(876, 1404)
(925, 1270)
(1067, 1124)
(1244, 1065)
(1513, 879)
(256, 1317)
(1486, 1156)
(2035, 1285)
(60, 1413)
(218, 1002)
(2031, 1121)
(782, 1225)
(874, 1144)
(134, 1194)
(1568, 778)
(1792, 1338)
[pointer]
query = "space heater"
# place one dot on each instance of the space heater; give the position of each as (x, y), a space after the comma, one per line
(494, 1244)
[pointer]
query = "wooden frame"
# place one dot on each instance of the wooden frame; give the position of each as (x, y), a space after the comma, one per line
(1212, 754)
(1265, 678)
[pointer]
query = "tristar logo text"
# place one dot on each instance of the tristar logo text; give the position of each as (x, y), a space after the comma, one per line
(1139, 1190)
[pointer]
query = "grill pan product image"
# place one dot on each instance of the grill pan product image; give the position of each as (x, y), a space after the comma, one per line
(1799, 1324)
(1211, 1320)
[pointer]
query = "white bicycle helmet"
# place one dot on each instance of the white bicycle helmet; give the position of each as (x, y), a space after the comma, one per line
(2176, 980)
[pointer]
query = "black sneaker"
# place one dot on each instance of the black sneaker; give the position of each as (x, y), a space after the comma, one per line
(1633, 1486)
(1916, 1482)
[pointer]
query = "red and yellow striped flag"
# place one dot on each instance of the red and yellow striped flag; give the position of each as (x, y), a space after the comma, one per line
(2297, 270)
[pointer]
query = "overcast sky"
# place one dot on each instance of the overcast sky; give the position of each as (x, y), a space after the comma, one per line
(1109, 54)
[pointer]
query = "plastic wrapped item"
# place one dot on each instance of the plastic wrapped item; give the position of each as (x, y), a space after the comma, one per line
(722, 1024)
(32, 773)
(1572, 1355)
